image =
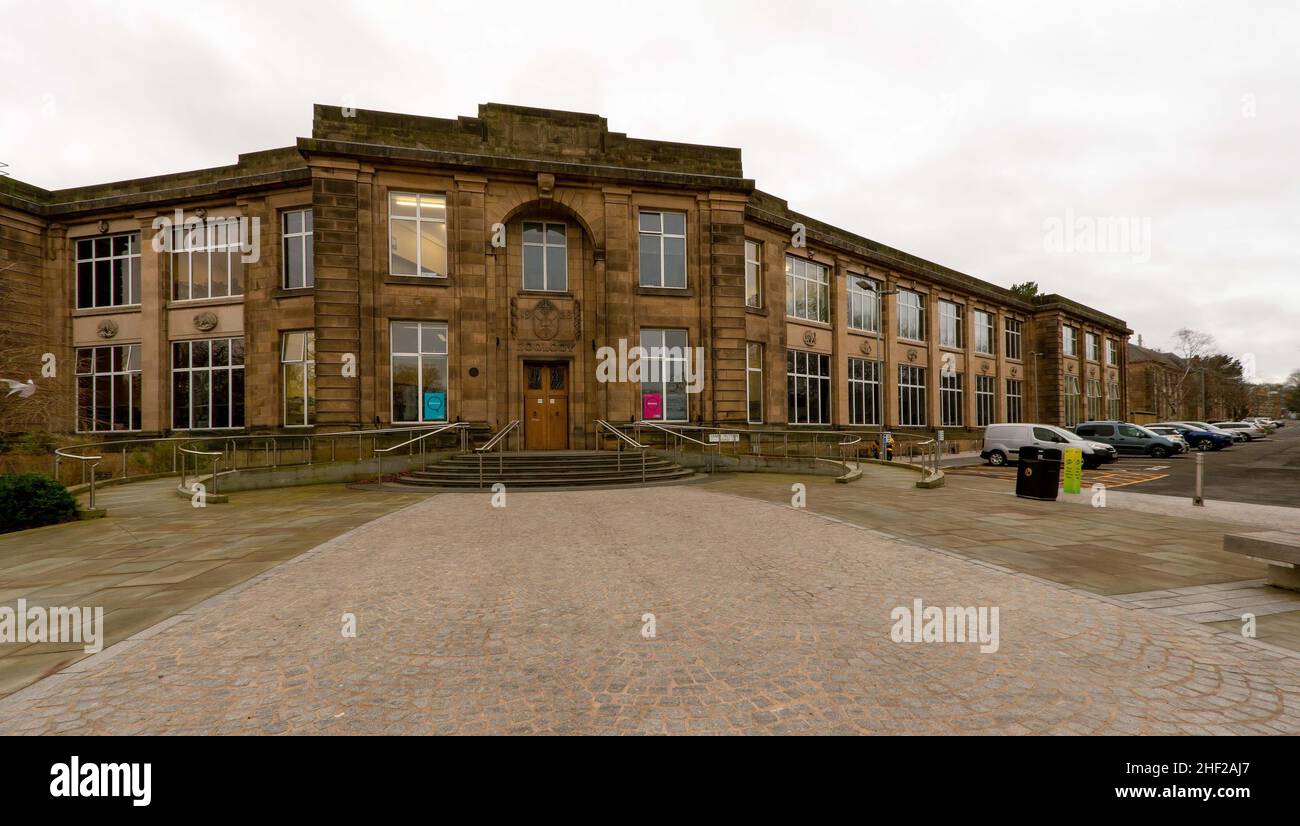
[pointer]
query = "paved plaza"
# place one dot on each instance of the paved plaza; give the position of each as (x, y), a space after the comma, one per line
(766, 619)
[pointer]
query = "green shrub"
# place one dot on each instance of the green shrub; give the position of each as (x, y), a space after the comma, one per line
(29, 500)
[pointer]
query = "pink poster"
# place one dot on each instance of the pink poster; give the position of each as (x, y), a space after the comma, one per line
(652, 406)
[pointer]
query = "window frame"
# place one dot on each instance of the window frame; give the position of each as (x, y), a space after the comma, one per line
(544, 246)
(799, 275)
(794, 376)
(661, 234)
(954, 322)
(1071, 401)
(952, 399)
(420, 357)
(985, 401)
(907, 311)
(419, 220)
(1013, 339)
(662, 367)
(1069, 341)
(235, 403)
(308, 367)
(914, 391)
(306, 246)
(213, 230)
(868, 304)
(865, 400)
(989, 330)
(1015, 400)
(751, 347)
(1092, 347)
(1092, 401)
(754, 274)
(131, 282)
(134, 384)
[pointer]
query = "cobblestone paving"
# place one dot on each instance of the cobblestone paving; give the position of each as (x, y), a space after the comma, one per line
(769, 620)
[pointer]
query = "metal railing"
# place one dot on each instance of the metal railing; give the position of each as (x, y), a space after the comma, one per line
(462, 427)
(495, 444)
(62, 453)
(621, 439)
(842, 447)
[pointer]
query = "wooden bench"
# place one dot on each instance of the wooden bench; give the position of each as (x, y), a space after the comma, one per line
(1280, 550)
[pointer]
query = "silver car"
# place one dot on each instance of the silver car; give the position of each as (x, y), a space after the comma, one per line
(1251, 431)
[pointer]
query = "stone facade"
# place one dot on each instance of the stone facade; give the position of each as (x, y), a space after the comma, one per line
(507, 166)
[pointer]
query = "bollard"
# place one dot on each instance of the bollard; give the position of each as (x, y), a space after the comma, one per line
(1197, 499)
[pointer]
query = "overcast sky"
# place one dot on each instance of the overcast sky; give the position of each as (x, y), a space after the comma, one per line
(962, 132)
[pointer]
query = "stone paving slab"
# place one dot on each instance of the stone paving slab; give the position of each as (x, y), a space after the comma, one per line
(529, 619)
(155, 555)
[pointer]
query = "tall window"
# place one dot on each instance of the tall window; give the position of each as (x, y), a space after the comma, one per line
(1093, 345)
(417, 234)
(864, 306)
(1094, 399)
(808, 387)
(984, 332)
(951, 400)
(984, 391)
(663, 249)
(298, 377)
(911, 315)
(108, 271)
(754, 382)
(1112, 353)
(1071, 401)
(753, 274)
(807, 290)
(864, 391)
(1015, 400)
(1070, 340)
(951, 318)
(663, 375)
(419, 371)
(1112, 401)
(1011, 326)
(545, 257)
(911, 396)
(207, 260)
(296, 242)
(208, 384)
(108, 388)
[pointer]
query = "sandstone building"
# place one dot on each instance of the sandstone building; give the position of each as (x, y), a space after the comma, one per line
(395, 269)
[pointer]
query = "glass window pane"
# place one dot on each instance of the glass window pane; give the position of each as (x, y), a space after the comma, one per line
(651, 222)
(236, 351)
(406, 388)
(199, 351)
(221, 352)
(403, 248)
(674, 262)
(433, 339)
(533, 268)
(433, 248)
(406, 337)
(532, 232)
(555, 234)
(650, 267)
(556, 275)
(674, 223)
(293, 264)
(401, 204)
(293, 221)
(433, 207)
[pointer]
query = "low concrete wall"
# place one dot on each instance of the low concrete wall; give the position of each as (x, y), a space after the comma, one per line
(754, 464)
(320, 473)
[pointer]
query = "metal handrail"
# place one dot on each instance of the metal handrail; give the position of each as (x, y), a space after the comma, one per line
(62, 452)
(622, 439)
(492, 445)
(216, 455)
(379, 452)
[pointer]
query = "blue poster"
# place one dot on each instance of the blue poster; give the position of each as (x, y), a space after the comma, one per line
(435, 406)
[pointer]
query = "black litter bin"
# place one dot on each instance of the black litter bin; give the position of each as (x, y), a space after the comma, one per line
(1038, 474)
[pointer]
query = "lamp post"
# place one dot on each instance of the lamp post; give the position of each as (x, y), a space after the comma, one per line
(870, 286)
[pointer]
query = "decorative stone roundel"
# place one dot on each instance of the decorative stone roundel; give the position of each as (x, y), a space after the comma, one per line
(1015, 371)
(865, 347)
(205, 322)
(984, 367)
(911, 355)
(810, 338)
(107, 328)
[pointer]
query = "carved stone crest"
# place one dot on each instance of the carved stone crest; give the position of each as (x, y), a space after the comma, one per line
(865, 347)
(810, 338)
(1015, 371)
(984, 367)
(205, 322)
(546, 319)
(107, 328)
(911, 355)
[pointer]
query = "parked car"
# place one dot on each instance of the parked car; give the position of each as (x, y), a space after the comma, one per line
(1265, 422)
(1173, 434)
(1199, 438)
(1002, 443)
(1237, 436)
(1128, 438)
(1251, 431)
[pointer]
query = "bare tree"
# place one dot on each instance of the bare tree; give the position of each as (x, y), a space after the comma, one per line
(20, 360)
(1191, 346)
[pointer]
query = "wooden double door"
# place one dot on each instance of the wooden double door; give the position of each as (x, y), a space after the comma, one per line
(546, 405)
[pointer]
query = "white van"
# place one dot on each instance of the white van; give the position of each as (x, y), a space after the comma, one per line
(1002, 443)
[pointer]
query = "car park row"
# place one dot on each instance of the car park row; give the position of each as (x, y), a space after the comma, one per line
(1102, 442)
